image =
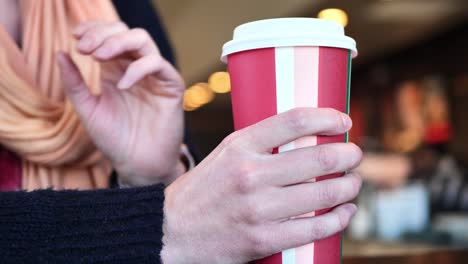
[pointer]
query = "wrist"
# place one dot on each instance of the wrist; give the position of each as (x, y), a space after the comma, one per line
(129, 176)
(179, 169)
(169, 256)
(169, 252)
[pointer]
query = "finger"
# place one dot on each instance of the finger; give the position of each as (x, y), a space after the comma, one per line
(85, 26)
(302, 231)
(75, 87)
(291, 125)
(95, 36)
(311, 196)
(135, 40)
(300, 165)
(152, 64)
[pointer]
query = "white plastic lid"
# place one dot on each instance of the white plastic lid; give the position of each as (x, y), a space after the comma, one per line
(287, 32)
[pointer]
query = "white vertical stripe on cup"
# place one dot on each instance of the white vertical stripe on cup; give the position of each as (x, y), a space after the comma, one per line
(284, 66)
(284, 69)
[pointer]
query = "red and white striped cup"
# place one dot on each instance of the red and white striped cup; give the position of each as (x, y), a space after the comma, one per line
(279, 64)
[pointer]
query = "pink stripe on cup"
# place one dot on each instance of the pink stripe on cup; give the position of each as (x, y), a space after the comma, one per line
(306, 95)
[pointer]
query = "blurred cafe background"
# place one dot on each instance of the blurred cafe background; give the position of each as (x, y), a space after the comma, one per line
(409, 103)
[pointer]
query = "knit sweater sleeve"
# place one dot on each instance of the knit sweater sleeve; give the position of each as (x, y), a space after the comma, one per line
(103, 226)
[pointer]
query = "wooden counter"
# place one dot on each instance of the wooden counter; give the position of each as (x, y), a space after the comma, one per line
(376, 252)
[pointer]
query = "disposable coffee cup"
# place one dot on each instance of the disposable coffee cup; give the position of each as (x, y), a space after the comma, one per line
(280, 64)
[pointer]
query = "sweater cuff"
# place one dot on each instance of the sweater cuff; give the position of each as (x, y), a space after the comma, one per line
(105, 226)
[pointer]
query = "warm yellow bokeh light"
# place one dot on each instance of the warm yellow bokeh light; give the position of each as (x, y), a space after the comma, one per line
(220, 82)
(188, 108)
(203, 93)
(334, 14)
(189, 103)
(197, 95)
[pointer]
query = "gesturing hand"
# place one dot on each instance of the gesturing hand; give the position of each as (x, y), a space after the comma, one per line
(239, 204)
(138, 127)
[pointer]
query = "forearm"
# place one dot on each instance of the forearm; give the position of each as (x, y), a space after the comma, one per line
(105, 226)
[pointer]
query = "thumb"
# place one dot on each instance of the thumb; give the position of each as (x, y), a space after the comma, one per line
(75, 87)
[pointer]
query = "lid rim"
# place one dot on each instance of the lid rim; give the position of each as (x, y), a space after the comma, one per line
(283, 32)
(250, 44)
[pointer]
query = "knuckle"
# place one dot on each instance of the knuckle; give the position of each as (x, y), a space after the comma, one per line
(121, 25)
(112, 44)
(297, 120)
(251, 213)
(245, 178)
(141, 32)
(326, 158)
(259, 243)
(156, 60)
(328, 194)
(159, 59)
(91, 37)
(335, 118)
(233, 140)
(318, 230)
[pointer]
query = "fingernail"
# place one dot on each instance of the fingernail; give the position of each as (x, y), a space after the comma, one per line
(123, 84)
(351, 209)
(347, 121)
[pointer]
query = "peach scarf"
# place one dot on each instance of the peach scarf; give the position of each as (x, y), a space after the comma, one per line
(36, 120)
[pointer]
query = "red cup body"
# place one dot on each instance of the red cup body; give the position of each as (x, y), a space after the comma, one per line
(269, 81)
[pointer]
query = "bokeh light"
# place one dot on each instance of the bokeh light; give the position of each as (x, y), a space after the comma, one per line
(220, 82)
(334, 14)
(197, 95)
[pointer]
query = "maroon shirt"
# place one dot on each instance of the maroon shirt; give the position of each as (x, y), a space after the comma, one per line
(10, 171)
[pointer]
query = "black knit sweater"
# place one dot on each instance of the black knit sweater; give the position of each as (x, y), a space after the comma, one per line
(104, 226)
